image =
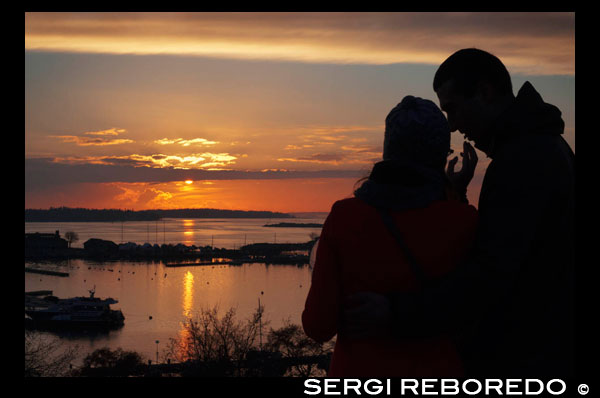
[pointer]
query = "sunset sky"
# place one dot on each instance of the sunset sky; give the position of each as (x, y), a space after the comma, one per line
(250, 111)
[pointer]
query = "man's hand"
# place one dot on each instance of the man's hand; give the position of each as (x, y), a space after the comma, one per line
(366, 314)
(461, 179)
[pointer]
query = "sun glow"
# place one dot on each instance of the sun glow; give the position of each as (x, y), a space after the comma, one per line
(189, 182)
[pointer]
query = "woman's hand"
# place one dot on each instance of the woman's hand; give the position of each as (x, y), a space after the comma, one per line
(366, 315)
(461, 179)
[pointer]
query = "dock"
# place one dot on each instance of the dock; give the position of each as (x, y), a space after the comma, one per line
(200, 263)
(39, 293)
(294, 225)
(45, 272)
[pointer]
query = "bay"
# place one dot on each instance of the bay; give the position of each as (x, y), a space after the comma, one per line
(156, 300)
(228, 233)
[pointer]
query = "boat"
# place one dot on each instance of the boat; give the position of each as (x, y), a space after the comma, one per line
(87, 313)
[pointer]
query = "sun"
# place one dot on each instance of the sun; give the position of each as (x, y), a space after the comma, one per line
(189, 182)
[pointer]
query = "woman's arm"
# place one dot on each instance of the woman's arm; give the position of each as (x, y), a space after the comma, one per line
(321, 311)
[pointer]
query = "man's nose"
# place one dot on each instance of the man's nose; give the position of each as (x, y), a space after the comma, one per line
(451, 123)
(452, 126)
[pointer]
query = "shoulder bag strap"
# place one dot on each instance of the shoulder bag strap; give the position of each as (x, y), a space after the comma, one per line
(416, 268)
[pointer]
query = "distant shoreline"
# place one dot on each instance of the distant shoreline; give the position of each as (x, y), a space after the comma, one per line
(100, 249)
(66, 214)
(294, 225)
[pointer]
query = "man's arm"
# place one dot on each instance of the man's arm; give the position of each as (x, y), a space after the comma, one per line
(517, 195)
(515, 201)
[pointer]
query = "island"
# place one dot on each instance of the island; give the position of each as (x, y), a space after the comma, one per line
(66, 214)
(294, 225)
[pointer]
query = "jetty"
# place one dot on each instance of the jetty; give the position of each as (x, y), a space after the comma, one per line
(188, 264)
(45, 272)
(39, 293)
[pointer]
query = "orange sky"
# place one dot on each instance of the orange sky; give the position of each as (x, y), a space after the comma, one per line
(261, 111)
(297, 195)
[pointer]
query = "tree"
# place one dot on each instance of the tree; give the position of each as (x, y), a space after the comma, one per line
(71, 237)
(217, 344)
(291, 341)
(45, 356)
(225, 347)
(117, 362)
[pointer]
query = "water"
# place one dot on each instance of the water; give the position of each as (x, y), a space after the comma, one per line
(226, 233)
(171, 295)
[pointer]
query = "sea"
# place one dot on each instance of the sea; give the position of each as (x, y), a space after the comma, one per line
(157, 300)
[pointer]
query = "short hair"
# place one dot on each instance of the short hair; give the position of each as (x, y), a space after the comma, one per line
(470, 66)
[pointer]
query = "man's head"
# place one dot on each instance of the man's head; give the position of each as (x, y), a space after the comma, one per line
(473, 87)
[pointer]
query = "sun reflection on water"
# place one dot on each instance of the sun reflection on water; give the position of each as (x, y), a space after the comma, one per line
(187, 306)
(188, 294)
(188, 232)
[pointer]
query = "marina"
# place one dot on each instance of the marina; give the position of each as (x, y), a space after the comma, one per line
(156, 300)
(225, 233)
(157, 294)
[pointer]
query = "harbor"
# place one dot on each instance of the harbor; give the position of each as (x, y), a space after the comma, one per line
(156, 299)
(169, 276)
(174, 255)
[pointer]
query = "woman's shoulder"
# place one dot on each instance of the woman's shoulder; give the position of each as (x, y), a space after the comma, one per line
(349, 205)
(438, 206)
(349, 211)
(447, 210)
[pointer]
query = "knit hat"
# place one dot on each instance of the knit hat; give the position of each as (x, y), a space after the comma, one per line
(416, 130)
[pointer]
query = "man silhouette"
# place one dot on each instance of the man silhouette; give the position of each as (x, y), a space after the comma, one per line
(511, 305)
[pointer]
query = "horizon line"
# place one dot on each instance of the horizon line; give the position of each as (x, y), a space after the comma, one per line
(179, 209)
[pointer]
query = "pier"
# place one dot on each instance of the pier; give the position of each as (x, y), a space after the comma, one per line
(205, 263)
(39, 293)
(45, 272)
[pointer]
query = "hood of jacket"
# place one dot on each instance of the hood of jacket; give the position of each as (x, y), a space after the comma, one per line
(528, 114)
(401, 185)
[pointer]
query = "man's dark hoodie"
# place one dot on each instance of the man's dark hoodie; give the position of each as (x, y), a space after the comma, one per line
(511, 306)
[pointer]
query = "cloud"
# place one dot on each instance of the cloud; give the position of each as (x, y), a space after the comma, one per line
(336, 158)
(98, 138)
(113, 131)
(331, 136)
(316, 158)
(128, 195)
(362, 149)
(540, 43)
(50, 172)
(193, 161)
(134, 194)
(338, 145)
(87, 141)
(182, 142)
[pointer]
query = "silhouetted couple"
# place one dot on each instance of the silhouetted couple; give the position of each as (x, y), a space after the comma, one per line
(416, 282)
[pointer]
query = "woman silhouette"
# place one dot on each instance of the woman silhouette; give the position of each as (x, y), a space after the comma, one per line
(404, 227)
